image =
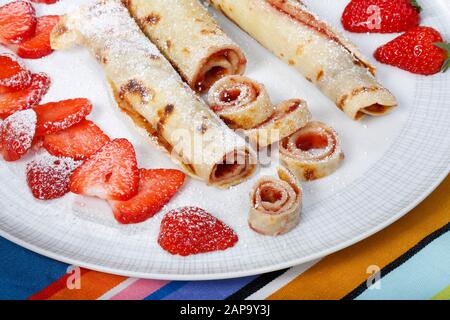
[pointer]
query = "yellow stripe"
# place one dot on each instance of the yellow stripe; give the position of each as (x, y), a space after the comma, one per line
(443, 295)
(338, 274)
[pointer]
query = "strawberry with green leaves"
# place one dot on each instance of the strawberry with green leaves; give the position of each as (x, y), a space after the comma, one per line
(420, 50)
(381, 16)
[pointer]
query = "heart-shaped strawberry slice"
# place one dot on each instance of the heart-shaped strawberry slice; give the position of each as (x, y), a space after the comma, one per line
(111, 173)
(156, 188)
(192, 230)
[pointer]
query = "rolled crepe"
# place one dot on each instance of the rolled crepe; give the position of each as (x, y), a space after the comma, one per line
(151, 92)
(190, 38)
(313, 152)
(319, 53)
(240, 102)
(289, 116)
(275, 204)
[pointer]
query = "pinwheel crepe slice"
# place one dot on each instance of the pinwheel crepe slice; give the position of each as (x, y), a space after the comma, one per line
(275, 204)
(150, 91)
(298, 37)
(313, 152)
(240, 102)
(289, 116)
(190, 38)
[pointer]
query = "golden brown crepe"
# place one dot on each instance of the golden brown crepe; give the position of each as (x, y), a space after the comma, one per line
(323, 56)
(240, 102)
(150, 91)
(289, 116)
(275, 204)
(190, 38)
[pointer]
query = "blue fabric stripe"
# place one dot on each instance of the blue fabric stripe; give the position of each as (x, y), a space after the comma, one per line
(421, 277)
(210, 290)
(24, 273)
(166, 290)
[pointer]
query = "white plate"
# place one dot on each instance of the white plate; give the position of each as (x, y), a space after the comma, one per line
(392, 164)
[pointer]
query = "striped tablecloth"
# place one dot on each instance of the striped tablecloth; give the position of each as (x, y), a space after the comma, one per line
(410, 259)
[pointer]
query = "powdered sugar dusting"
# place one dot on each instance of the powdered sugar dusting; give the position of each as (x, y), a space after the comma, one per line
(40, 83)
(17, 133)
(18, 80)
(48, 176)
(192, 230)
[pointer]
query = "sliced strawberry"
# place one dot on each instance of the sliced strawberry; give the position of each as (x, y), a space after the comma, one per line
(156, 188)
(26, 98)
(16, 134)
(39, 46)
(111, 173)
(192, 230)
(57, 116)
(17, 22)
(12, 76)
(45, 1)
(78, 142)
(48, 176)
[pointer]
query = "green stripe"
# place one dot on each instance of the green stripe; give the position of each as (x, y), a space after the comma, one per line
(443, 295)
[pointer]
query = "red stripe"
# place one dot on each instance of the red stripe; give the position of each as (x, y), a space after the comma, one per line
(55, 287)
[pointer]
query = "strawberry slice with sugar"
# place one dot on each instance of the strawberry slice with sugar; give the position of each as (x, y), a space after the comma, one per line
(156, 188)
(16, 134)
(111, 173)
(17, 22)
(48, 176)
(12, 76)
(26, 98)
(57, 116)
(192, 230)
(78, 142)
(39, 46)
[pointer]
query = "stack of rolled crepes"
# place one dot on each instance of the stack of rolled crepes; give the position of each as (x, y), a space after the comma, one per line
(190, 38)
(244, 104)
(151, 92)
(324, 57)
(310, 149)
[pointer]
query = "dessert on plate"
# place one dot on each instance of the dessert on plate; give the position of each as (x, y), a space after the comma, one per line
(153, 95)
(190, 39)
(331, 62)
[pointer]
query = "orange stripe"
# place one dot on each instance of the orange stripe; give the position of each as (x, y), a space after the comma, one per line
(338, 274)
(55, 287)
(93, 285)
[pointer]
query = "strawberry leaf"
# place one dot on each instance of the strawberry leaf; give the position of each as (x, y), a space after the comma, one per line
(446, 47)
(446, 65)
(416, 5)
(442, 45)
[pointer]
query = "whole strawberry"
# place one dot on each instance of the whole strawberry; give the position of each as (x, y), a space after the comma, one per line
(381, 16)
(420, 50)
